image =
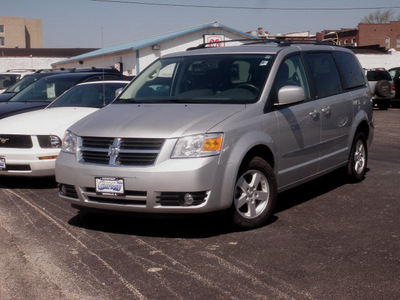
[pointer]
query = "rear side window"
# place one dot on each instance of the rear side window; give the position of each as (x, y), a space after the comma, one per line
(376, 75)
(350, 70)
(324, 74)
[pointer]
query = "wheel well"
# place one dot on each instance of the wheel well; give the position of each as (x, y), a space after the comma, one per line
(261, 151)
(363, 127)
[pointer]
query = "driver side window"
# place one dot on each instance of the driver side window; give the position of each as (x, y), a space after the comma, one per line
(292, 72)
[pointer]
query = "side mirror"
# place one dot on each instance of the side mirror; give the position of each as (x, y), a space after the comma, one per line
(290, 94)
(118, 91)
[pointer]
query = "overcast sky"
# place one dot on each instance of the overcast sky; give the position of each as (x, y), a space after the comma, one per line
(93, 24)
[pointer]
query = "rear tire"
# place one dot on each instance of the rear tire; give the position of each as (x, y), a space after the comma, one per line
(383, 88)
(255, 194)
(357, 165)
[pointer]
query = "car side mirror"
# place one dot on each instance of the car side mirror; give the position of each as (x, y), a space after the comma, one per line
(118, 91)
(290, 94)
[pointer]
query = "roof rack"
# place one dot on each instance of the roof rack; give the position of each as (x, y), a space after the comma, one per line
(280, 41)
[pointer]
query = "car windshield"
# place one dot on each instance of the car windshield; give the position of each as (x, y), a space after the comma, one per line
(44, 90)
(88, 95)
(227, 78)
(21, 84)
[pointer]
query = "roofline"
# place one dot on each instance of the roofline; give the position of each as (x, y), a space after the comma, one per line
(146, 42)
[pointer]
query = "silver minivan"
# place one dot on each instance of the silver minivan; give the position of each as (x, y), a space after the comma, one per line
(221, 129)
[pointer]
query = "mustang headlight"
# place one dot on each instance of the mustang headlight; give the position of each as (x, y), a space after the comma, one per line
(49, 141)
(69, 142)
(198, 145)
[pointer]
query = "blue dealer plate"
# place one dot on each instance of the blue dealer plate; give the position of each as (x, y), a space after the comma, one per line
(109, 186)
(2, 163)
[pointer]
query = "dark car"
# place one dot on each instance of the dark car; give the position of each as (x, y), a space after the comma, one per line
(395, 73)
(40, 93)
(31, 78)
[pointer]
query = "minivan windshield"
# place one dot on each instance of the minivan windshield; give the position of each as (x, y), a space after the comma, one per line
(225, 78)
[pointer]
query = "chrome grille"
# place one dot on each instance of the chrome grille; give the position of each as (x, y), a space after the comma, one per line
(15, 141)
(119, 151)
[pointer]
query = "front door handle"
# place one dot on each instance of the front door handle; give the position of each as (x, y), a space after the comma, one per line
(327, 111)
(314, 114)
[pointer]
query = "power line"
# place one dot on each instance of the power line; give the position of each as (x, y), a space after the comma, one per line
(247, 7)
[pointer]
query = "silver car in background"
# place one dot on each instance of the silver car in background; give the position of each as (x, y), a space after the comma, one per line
(221, 128)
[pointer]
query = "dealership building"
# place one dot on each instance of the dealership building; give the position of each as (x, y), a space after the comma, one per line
(133, 57)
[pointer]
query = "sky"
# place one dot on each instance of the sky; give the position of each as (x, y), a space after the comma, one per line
(103, 23)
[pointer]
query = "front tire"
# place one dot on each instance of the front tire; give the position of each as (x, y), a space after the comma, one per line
(357, 165)
(255, 194)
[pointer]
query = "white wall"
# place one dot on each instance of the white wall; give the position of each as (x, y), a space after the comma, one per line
(386, 61)
(7, 63)
(148, 55)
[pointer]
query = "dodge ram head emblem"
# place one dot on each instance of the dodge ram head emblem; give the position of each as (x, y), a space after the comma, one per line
(4, 140)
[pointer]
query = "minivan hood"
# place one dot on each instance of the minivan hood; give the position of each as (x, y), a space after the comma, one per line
(154, 120)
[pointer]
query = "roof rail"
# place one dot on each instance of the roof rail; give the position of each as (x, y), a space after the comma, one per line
(280, 41)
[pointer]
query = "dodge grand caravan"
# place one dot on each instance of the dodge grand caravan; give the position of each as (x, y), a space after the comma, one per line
(221, 128)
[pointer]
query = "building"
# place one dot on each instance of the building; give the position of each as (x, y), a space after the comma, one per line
(36, 58)
(346, 36)
(18, 32)
(130, 58)
(301, 36)
(383, 36)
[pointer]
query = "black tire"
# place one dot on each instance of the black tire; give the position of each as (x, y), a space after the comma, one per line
(357, 165)
(255, 194)
(383, 88)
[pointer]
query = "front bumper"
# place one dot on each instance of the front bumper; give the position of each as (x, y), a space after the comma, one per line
(28, 162)
(161, 188)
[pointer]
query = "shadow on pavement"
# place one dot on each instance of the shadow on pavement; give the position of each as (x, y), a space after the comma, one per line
(27, 182)
(202, 225)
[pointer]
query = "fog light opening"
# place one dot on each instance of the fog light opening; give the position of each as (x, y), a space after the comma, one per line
(62, 189)
(188, 199)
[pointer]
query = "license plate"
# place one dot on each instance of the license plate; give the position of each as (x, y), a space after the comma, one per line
(109, 186)
(2, 163)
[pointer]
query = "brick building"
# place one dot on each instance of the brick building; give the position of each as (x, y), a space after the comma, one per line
(347, 36)
(385, 36)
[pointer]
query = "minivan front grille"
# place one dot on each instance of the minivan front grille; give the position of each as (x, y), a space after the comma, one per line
(119, 151)
(15, 141)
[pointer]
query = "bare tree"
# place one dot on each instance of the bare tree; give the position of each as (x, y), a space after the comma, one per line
(379, 17)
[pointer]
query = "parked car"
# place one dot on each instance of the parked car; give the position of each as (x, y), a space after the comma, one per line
(221, 128)
(12, 76)
(40, 93)
(24, 82)
(395, 73)
(31, 78)
(31, 141)
(382, 87)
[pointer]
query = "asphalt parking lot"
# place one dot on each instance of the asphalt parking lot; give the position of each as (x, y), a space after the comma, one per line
(327, 240)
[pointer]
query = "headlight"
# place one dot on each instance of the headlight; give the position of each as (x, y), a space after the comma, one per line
(69, 142)
(49, 141)
(198, 145)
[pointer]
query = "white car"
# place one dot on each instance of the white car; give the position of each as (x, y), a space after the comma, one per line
(12, 76)
(30, 142)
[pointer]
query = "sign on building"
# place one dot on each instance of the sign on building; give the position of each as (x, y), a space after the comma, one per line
(215, 40)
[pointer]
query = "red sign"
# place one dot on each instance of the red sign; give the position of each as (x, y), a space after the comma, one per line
(214, 40)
